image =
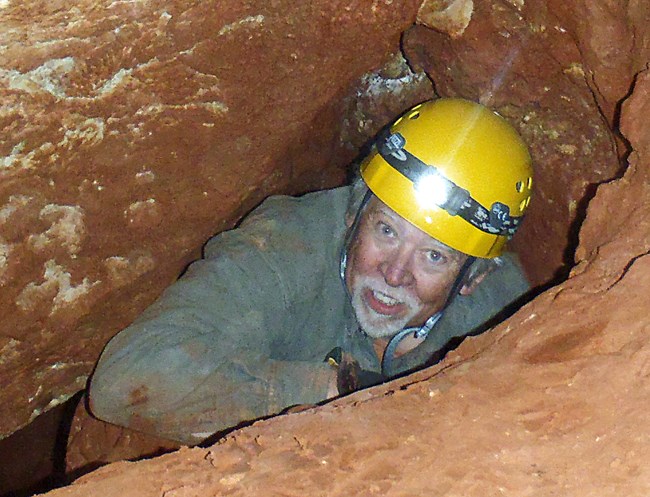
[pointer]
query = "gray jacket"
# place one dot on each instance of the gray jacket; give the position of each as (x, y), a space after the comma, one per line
(244, 332)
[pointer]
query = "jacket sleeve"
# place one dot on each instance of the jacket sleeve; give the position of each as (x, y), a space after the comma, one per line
(200, 359)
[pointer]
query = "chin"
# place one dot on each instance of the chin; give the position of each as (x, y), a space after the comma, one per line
(379, 333)
(376, 325)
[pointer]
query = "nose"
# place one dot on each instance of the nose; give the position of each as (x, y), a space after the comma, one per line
(396, 268)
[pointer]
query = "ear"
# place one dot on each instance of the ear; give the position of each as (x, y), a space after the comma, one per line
(349, 220)
(469, 287)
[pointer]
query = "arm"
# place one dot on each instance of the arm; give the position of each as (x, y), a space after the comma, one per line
(200, 359)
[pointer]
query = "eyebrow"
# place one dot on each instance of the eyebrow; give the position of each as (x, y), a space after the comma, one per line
(438, 245)
(387, 211)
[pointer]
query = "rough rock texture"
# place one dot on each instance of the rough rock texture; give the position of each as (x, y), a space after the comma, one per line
(135, 130)
(551, 402)
(614, 41)
(132, 131)
(533, 63)
(92, 443)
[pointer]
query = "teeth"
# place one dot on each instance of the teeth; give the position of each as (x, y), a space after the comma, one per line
(382, 297)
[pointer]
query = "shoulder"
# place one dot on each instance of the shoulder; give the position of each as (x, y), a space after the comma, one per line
(285, 222)
(317, 206)
(492, 298)
(288, 246)
(510, 275)
(501, 286)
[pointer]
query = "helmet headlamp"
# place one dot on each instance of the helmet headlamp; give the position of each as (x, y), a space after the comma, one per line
(434, 189)
(456, 170)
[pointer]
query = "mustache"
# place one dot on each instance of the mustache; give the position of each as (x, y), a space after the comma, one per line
(398, 293)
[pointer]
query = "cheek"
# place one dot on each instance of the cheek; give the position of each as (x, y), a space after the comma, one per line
(432, 290)
(363, 256)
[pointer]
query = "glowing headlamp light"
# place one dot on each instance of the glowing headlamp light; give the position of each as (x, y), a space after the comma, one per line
(433, 189)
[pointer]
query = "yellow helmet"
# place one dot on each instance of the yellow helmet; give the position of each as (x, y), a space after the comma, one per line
(456, 170)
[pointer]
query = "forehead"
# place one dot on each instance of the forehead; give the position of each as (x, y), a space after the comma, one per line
(377, 210)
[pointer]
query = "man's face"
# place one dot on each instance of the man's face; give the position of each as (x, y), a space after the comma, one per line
(396, 274)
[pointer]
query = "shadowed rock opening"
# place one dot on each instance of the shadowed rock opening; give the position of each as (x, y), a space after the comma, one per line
(134, 132)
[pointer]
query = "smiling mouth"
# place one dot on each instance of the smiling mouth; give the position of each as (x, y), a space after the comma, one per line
(383, 303)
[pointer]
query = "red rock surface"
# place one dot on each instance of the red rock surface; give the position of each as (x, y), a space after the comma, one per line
(529, 61)
(551, 402)
(132, 131)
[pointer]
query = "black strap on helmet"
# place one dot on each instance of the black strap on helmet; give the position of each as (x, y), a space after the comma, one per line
(496, 220)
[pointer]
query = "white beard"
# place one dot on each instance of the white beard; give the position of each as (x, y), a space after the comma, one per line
(377, 325)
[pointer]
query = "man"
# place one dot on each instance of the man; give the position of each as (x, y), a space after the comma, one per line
(315, 296)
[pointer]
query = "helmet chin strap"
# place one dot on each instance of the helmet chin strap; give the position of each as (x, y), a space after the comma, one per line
(419, 332)
(348, 238)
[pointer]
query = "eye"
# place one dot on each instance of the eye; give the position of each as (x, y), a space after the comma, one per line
(436, 258)
(384, 229)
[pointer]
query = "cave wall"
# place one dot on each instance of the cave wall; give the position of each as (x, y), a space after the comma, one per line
(545, 67)
(132, 131)
(551, 402)
(135, 130)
